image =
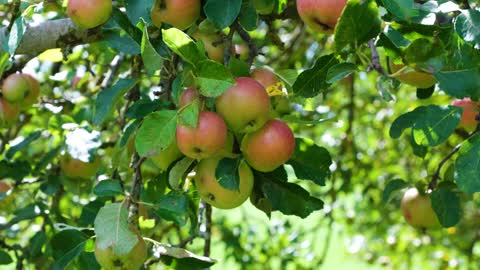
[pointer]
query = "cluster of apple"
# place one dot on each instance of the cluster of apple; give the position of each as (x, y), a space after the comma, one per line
(244, 115)
(19, 92)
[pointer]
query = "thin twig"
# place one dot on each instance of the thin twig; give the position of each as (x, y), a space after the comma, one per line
(15, 10)
(208, 230)
(252, 52)
(376, 58)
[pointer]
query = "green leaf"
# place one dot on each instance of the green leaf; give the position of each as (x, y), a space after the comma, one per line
(359, 23)
(174, 207)
(30, 211)
(310, 161)
(108, 98)
(112, 229)
(21, 145)
(152, 60)
(392, 186)
(288, 198)
(138, 9)
(467, 26)
(67, 245)
(467, 166)
(188, 115)
(16, 170)
(213, 78)
(121, 19)
(312, 82)
(460, 83)
(425, 54)
(181, 44)
(248, 17)
(36, 244)
(227, 173)
(395, 37)
(156, 133)
(121, 42)
(431, 125)
(5, 258)
(16, 35)
(108, 188)
(90, 211)
(402, 9)
(222, 12)
(446, 205)
(340, 71)
(178, 172)
(424, 93)
(179, 258)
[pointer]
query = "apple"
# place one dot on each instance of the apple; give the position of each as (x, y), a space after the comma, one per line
(180, 14)
(281, 105)
(74, 168)
(470, 111)
(270, 147)
(228, 148)
(320, 15)
(213, 193)
(411, 76)
(244, 106)
(417, 210)
(32, 95)
(165, 157)
(4, 187)
(109, 259)
(206, 139)
(241, 51)
(214, 52)
(15, 87)
(265, 77)
(8, 113)
(264, 6)
(89, 13)
(188, 96)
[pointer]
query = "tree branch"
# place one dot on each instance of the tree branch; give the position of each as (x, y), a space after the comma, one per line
(52, 34)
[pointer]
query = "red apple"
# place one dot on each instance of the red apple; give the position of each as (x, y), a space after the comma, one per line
(188, 96)
(214, 52)
(89, 13)
(270, 147)
(470, 111)
(417, 210)
(265, 77)
(206, 139)
(213, 193)
(15, 87)
(180, 14)
(8, 113)
(32, 95)
(244, 106)
(320, 15)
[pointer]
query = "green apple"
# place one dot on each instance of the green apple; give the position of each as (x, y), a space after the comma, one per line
(32, 95)
(180, 14)
(77, 169)
(204, 141)
(164, 158)
(215, 51)
(15, 87)
(133, 260)
(89, 13)
(320, 15)
(417, 210)
(244, 106)
(213, 193)
(269, 147)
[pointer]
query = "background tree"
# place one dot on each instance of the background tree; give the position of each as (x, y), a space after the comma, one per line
(116, 131)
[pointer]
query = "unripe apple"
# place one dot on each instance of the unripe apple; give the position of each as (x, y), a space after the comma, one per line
(214, 51)
(213, 193)
(32, 95)
(270, 147)
(417, 210)
(206, 139)
(180, 14)
(412, 77)
(4, 187)
(164, 158)
(265, 77)
(8, 113)
(244, 106)
(320, 15)
(89, 13)
(188, 96)
(470, 111)
(15, 87)
(74, 168)
(133, 260)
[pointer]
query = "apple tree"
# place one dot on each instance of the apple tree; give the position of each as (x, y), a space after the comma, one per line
(164, 134)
